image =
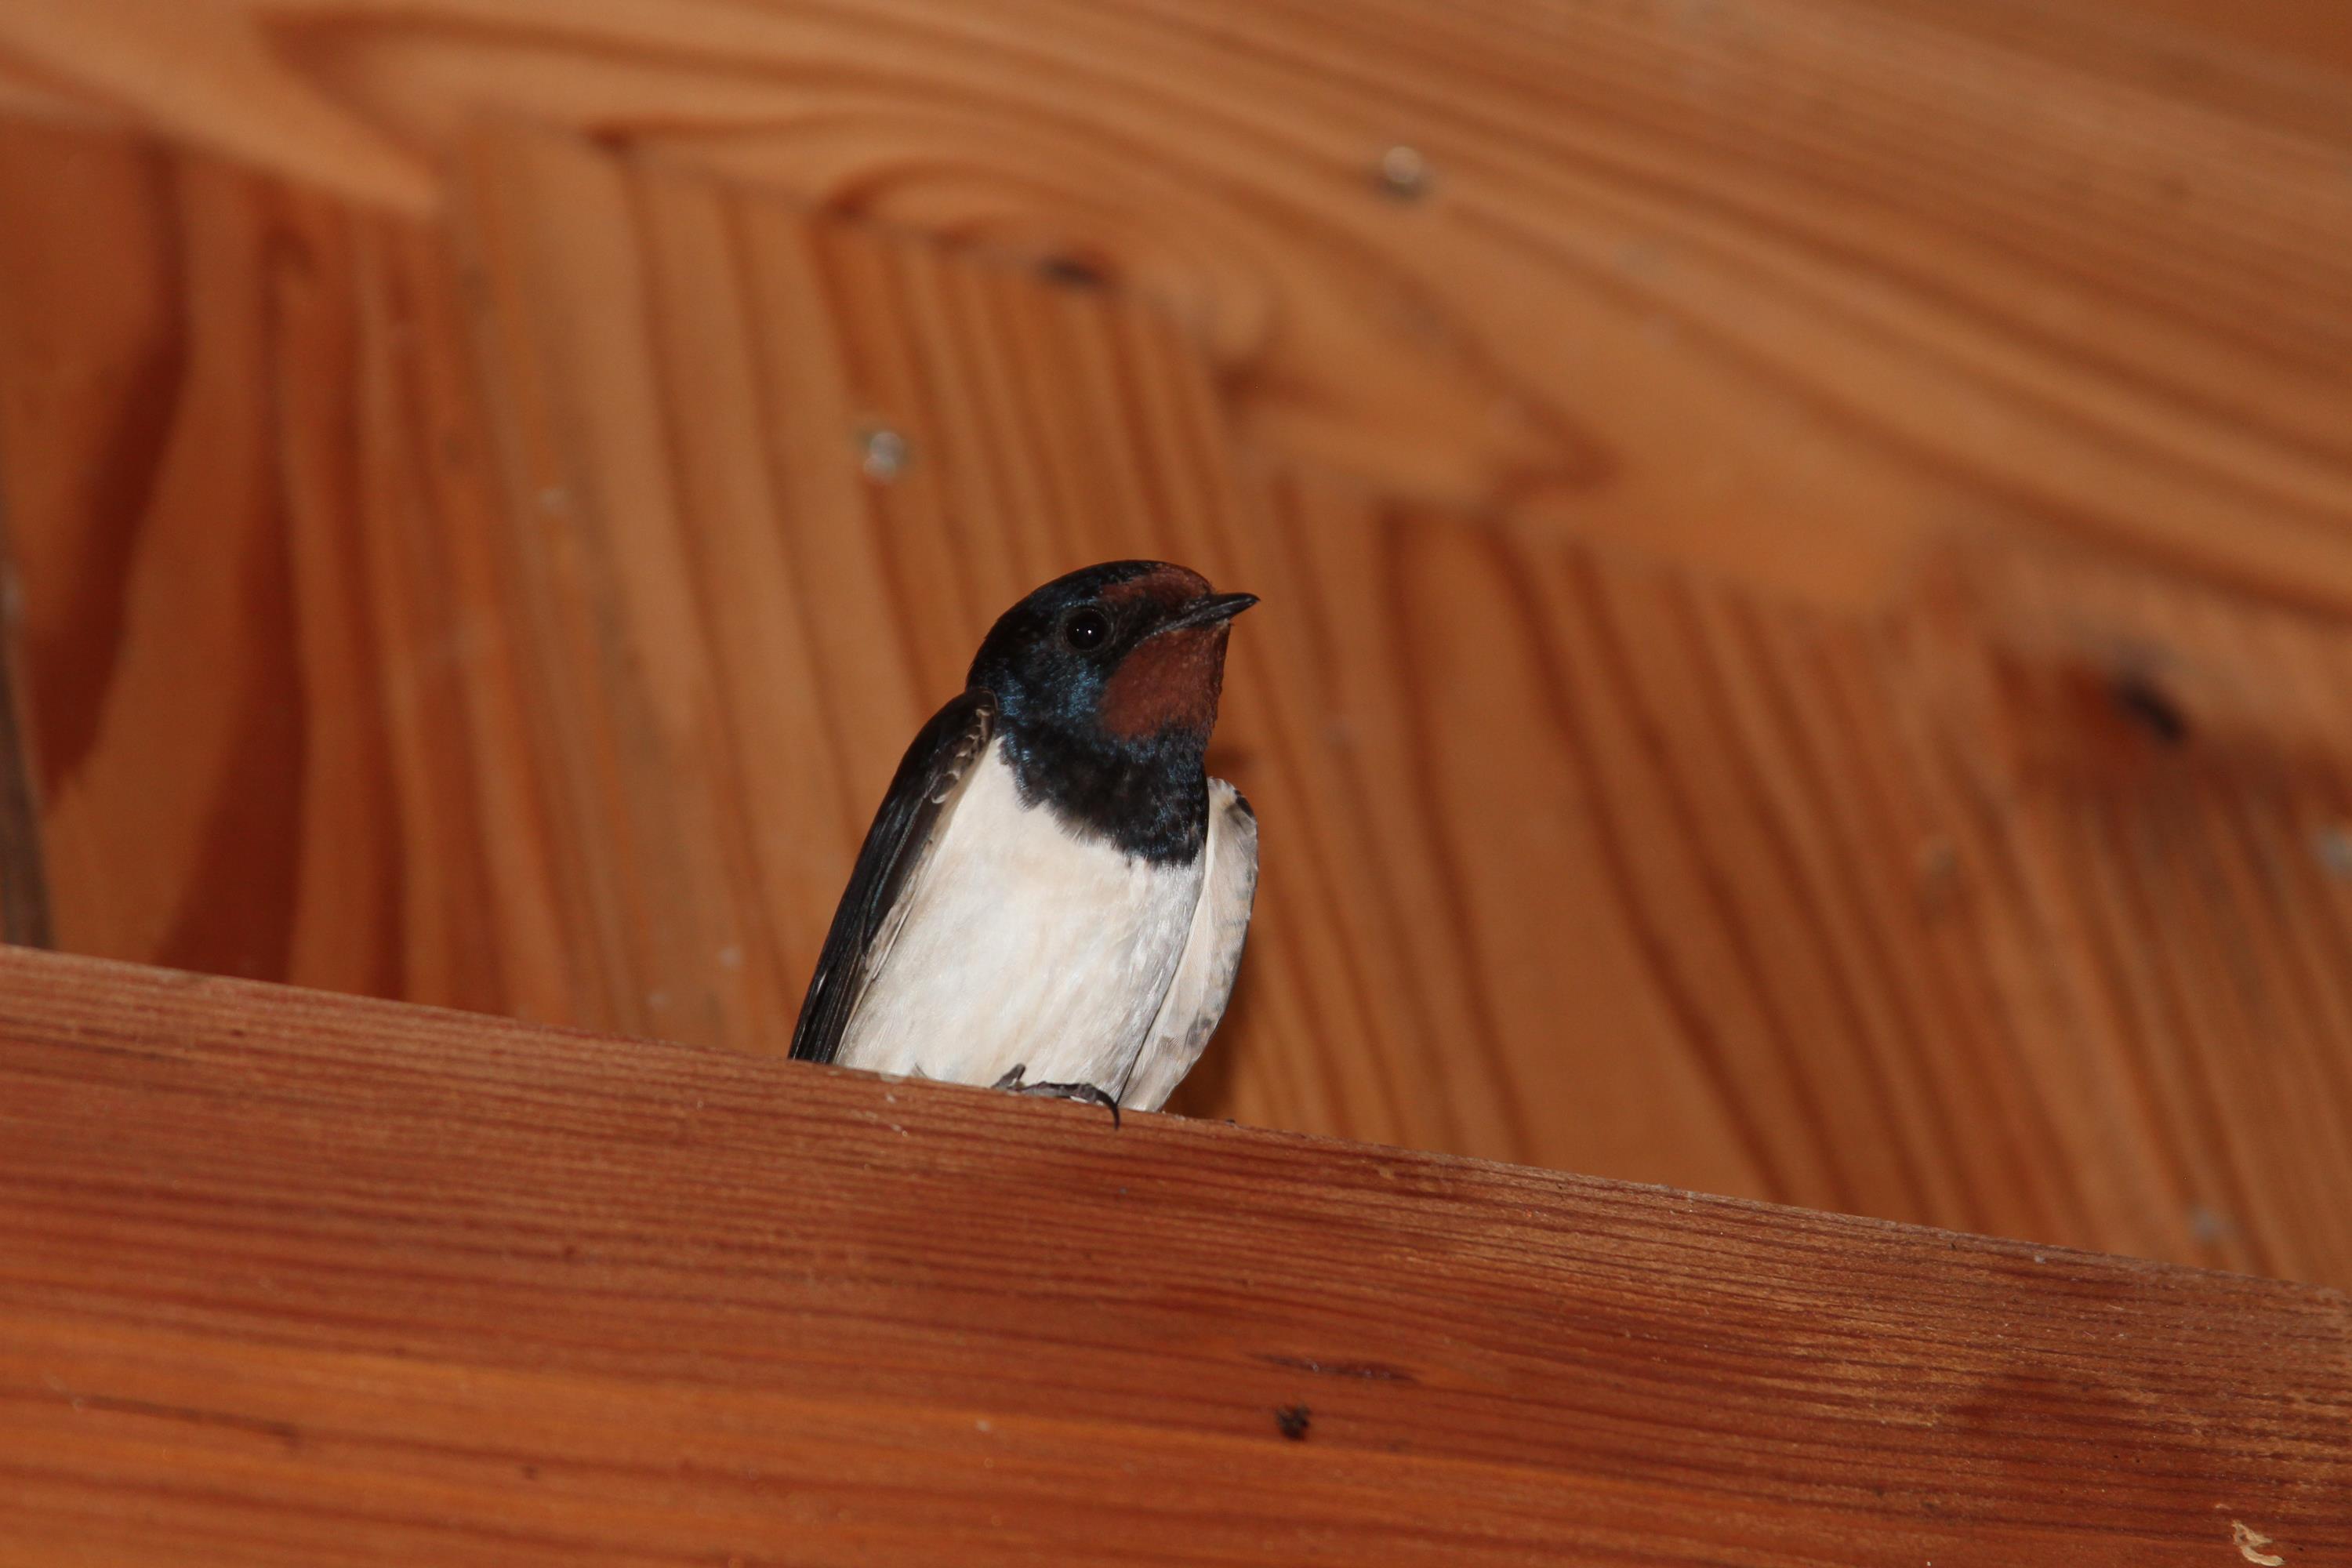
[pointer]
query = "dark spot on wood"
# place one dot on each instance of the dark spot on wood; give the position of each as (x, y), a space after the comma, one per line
(1073, 272)
(294, 260)
(1292, 1421)
(285, 1432)
(2142, 701)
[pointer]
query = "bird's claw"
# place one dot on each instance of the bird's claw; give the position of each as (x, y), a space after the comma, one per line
(1085, 1093)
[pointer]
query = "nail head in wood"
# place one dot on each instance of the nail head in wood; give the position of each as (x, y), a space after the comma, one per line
(2333, 845)
(1939, 873)
(1402, 173)
(883, 454)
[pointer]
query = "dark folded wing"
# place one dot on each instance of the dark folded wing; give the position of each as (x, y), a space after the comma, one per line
(926, 783)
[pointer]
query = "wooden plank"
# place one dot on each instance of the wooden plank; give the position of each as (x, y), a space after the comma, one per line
(2024, 910)
(557, 644)
(460, 732)
(305, 1276)
(1793, 287)
(2317, 36)
(247, 501)
(591, 645)
(734, 621)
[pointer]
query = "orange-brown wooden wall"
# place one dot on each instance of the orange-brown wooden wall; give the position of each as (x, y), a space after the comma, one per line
(1806, 543)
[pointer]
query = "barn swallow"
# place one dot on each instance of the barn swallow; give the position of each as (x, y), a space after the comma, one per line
(1053, 896)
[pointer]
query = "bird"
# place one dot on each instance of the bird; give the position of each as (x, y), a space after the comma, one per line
(1055, 895)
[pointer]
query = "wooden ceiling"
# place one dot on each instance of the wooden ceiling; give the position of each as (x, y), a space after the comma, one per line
(1805, 543)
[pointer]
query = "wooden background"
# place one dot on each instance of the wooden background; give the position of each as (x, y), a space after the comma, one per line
(1806, 543)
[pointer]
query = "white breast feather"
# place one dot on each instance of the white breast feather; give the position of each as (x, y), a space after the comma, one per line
(1026, 945)
(1212, 953)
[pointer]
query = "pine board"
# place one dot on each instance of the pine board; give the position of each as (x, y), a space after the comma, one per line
(1797, 288)
(556, 643)
(285, 1277)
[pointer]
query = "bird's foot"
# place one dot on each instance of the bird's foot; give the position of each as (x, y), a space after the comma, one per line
(1085, 1092)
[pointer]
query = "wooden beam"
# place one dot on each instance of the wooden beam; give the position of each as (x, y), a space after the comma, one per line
(285, 1277)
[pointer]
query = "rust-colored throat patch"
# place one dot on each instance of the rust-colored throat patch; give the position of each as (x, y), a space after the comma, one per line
(1170, 681)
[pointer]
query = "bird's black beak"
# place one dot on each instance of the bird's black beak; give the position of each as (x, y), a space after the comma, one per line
(1208, 610)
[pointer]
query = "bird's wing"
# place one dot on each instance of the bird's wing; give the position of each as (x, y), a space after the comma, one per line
(1212, 953)
(924, 790)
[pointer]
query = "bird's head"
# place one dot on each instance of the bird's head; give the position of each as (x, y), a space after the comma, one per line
(1129, 654)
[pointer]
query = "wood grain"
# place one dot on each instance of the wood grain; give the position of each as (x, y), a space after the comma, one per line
(2023, 910)
(563, 646)
(247, 502)
(1792, 288)
(569, 644)
(307, 1275)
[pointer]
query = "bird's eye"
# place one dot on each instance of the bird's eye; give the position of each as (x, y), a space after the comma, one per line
(1086, 630)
